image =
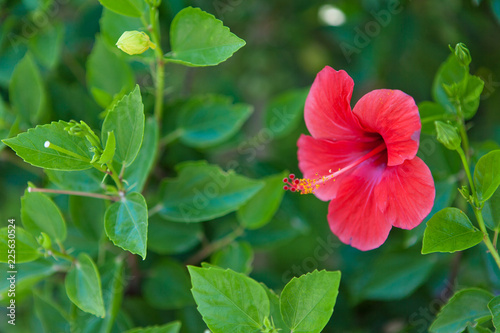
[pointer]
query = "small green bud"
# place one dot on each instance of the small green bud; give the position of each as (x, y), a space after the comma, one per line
(134, 42)
(464, 191)
(44, 241)
(463, 54)
(447, 135)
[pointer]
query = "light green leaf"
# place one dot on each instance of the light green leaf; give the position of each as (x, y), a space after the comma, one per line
(107, 74)
(494, 306)
(173, 327)
(126, 223)
(260, 209)
(85, 180)
(126, 120)
(491, 211)
(30, 146)
(167, 237)
(229, 301)
(450, 230)
(307, 302)
(487, 175)
(23, 246)
(26, 78)
(467, 305)
(39, 213)
(83, 286)
(285, 111)
(109, 150)
(209, 120)
(237, 256)
(137, 173)
(451, 71)
(203, 192)
(167, 286)
(132, 8)
(199, 39)
(471, 96)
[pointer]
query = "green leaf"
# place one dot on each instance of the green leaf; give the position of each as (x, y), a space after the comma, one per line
(209, 120)
(199, 39)
(487, 175)
(450, 230)
(430, 112)
(494, 306)
(166, 237)
(47, 44)
(126, 120)
(491, 211)
(126, 223)
(167, 286)
(87, 214)
(109, 150)
(307, 302)
(471, 96)
(137, 172)
(85, 180)
(22, 246)
(203, 192)
(30, 146)
(285, 111)
(275, 314)
(83, 286)
(52, 317)
(107, 74)
(173, 327)
(39, 213)
(467, 305)
(451, 71)
(237, 256)
(113, 25)
(260, 209)
(448, 135)
(113, 284)
(132, 8)
(26, 78)
(229, 301)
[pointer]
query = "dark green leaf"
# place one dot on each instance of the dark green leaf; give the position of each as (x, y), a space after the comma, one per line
(107, 74)
(467, 305)
(199, 39)
(430, 112)
(229, 301)
(26, 78)
(113, 25)
(173, 327)
(450, 230)
(83, 286)
(471, 96)
(260, 209)
(126, 120)
(87, 215)
(491, 211)
(285, 111)
(494, 306)
(167, 237)
(53, 318)
(85, 180)
(203, 192)
(132, 8)
(237, 256)
(46, 45)
(137, 173)
(126, 223)
(39, 213)
(167, 286)
(23, 247)
(30, 146)
(451, 71)
(487, 175)
(306, 303)
(209, 120)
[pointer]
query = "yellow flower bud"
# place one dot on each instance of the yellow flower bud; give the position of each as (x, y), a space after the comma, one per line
(134, 42)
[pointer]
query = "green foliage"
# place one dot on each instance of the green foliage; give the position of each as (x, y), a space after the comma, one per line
(237, 256)
(126, 223)
(450, 230)
(466, 306)
(132, 8)
(306, 303)
(166, 237)
(284, 112)
(173, 327)
(494, 306)
(487, 175)
(447, 135)
(23, 249)
(199, 39)
(216, 193)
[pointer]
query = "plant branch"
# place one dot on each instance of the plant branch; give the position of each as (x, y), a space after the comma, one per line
(78, 193)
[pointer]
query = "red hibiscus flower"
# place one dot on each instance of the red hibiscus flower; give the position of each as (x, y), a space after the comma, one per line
(363, 160)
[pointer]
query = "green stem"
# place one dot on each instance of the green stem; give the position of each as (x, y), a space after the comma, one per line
(465, 163)
(59, 254)
(486, 238)
(78, 193)
(160, 64)
(463, 131)
(171, 137)
(116, 178)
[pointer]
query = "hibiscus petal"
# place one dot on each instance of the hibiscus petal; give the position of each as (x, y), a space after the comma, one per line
(327, 110)
(318, 158)
(394, 115)
(409, 192)
(354, 215)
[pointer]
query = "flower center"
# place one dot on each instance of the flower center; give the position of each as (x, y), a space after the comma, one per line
(306, 185)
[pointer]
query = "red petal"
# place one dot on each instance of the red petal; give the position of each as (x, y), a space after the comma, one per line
(354, 215)
(408, 191)
(317, 157)
(327, 111)
(394, 115)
